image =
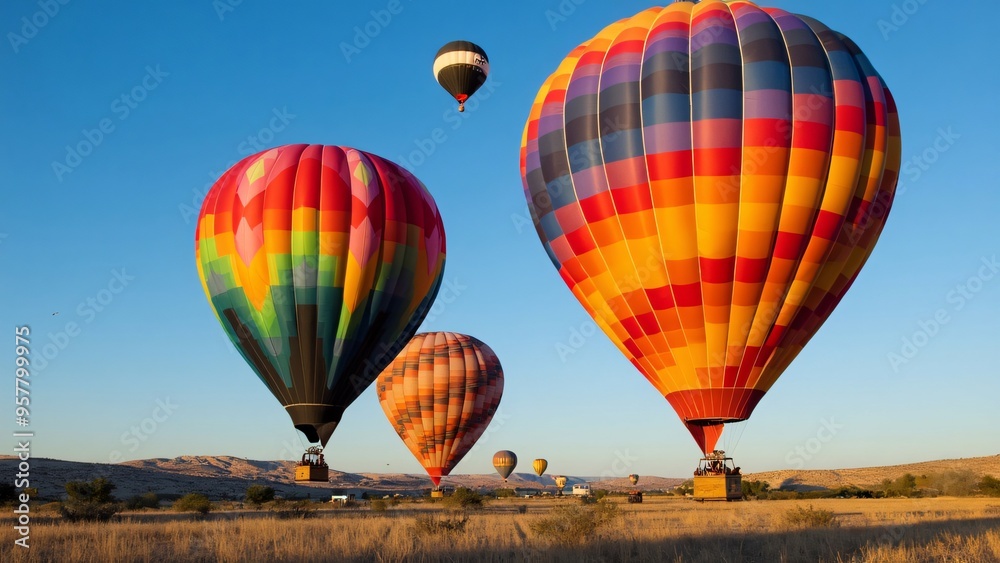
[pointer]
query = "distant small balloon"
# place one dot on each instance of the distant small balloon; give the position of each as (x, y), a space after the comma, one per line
(504, 462)
(539, 465)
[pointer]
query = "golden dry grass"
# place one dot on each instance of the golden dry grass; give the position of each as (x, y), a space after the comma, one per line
(661, 529)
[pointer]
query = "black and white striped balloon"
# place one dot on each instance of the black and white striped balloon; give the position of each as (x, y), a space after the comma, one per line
(461, 67)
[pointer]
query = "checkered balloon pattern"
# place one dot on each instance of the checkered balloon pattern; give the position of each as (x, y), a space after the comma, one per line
(708, 179)
(320, 262)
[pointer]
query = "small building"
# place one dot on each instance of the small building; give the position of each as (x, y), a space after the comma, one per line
(344, 495)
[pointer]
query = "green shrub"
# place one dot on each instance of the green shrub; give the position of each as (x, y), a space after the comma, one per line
(89, 511)
(139, 502)
(464, 498)
(755, 489)
(503, 493)
(257, 495)
(193, 502)
(904, 486)
(379, 505)
(990, 486)
(810, 517)
(90, 501)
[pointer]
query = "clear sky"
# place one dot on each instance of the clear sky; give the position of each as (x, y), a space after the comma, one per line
(163, 97)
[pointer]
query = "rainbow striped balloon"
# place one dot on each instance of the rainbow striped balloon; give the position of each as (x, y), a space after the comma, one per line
(709, 178)
(320, 262)
(440, 394)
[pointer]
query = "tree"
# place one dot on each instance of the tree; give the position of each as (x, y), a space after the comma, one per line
(755, 489)
(904, 486)
(90, 501)
(990, 486)
(98, 490)
(193, 502)
(259, 494)
(464, 498)
(139, 502)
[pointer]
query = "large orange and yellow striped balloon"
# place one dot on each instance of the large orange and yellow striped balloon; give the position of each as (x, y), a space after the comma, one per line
(440, 394)
(709, 178)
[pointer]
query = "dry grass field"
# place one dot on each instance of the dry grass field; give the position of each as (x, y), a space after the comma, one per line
(661, 529)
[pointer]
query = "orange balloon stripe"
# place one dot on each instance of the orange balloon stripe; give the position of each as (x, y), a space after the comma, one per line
(440, 394)
(704, 176)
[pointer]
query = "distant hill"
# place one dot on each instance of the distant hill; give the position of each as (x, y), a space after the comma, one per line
(226, 477)
(813, 479)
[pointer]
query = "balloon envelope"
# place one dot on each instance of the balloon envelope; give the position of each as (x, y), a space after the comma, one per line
(539, 465)
(504, 462)
(440, 394)
(319, 262)
(709, 178)
(633, 478)
(461, 67)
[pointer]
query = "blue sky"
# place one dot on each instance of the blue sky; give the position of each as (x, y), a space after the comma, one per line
(139, 367)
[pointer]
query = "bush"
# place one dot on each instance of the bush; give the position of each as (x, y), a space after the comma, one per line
(755, 489)
(259, 494)
(990, 486)
(503, 493)
(464, 498)
(98, 490)
(905, 486)
(139, 502)
(88, 511)
(571, 525)
(379, 505)
(685, 488)
(90, 501)
(193, 502)
(430, 524)
(810, 517)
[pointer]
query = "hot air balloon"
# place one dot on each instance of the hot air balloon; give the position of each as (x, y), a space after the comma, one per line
(633, 478)
(319, 262)
(461, 67)
(560, 483)
(539, 466)
(440, 394)
(504, 462)
(708, 179)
